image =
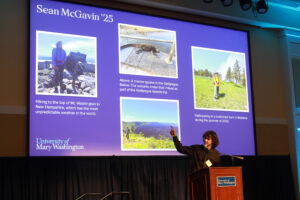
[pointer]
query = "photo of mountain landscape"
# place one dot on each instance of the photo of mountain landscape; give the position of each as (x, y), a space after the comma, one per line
(145, 123)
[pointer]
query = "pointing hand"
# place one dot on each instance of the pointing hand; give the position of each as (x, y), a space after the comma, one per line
(173, 132)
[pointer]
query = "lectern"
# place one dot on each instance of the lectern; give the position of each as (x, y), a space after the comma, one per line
(216, 183)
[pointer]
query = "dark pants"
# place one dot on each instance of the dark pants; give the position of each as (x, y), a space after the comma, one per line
(216, 92)
(59, 75)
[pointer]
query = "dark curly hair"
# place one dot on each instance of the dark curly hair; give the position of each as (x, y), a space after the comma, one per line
(213, 136)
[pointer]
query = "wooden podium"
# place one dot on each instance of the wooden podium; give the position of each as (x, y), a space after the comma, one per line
(216, 183)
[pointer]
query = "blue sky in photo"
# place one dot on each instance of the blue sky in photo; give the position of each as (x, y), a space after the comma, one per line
(140, 110)
(215, 60)
(47, 41)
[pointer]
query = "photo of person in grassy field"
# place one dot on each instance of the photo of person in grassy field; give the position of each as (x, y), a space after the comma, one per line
(145, 123)
(216, 82)
(220, 80)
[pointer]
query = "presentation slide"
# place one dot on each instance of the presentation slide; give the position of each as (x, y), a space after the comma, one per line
(106, 82)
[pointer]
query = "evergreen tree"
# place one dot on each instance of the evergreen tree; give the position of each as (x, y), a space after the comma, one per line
(228, 75)
(243, 78)
(206, 73)
(201, 72)
(236, 72)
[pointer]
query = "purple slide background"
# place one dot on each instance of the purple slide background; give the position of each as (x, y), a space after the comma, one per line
(101, 134)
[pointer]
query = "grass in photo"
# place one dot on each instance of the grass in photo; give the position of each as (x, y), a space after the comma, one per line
(220, 80)
(66, 64)
(145, 123)
(147, 51)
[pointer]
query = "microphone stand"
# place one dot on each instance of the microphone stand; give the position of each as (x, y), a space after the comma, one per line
(233, 157)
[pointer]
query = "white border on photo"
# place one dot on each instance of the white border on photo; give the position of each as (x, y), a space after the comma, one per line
(246, 71)
(119, 50)
(148, 99)
(36, 67)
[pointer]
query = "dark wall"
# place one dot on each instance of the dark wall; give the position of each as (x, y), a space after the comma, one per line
(147, 178)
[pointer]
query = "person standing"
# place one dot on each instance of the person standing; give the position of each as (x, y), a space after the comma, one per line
(58, 61)
(127, 133)
(202, 156)
(216, 83)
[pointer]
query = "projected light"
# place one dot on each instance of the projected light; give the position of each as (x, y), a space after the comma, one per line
(113, 83)
(245, 4)
(261, 7)
(227, 3)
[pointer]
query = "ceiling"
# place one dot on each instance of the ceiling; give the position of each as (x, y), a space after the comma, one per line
(282, 14)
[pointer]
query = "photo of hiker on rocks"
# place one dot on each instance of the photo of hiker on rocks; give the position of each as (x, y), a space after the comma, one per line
(220, 80)
(147, 51)
(66, 65)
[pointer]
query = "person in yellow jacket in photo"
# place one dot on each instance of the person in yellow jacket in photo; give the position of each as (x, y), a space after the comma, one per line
(216, 83)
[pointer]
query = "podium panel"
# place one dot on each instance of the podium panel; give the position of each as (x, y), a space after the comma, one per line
(216, 183)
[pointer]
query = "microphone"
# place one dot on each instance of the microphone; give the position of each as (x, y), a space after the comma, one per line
(233, 158)
(238, 157)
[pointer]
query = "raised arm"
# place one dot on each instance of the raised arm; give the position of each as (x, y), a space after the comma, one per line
(182, 149)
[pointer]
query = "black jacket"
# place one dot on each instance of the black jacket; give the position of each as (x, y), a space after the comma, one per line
(199, 155)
